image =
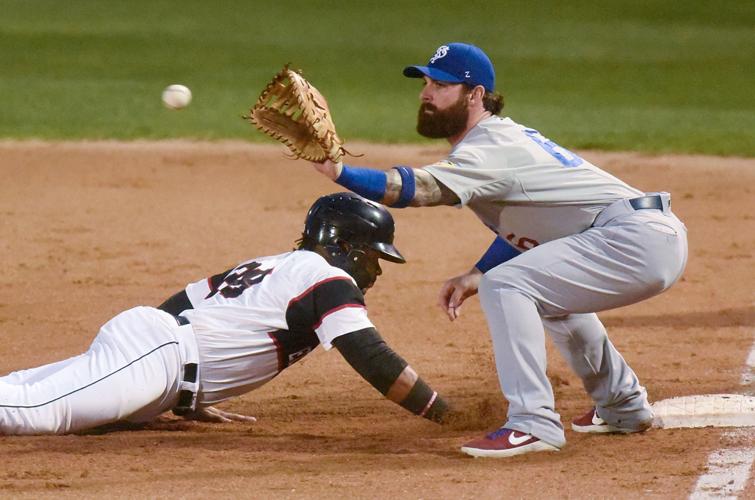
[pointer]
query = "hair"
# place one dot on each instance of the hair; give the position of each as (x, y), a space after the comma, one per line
(305, 243)
(493, 102)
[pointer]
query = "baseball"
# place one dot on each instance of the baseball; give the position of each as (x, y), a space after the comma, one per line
(176, 96)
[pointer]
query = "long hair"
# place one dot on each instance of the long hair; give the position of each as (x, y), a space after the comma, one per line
(493, 102)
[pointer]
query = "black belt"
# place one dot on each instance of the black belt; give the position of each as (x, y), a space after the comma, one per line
(647, 202)
(185, 398)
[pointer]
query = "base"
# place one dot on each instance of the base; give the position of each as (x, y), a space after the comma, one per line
(708, 410)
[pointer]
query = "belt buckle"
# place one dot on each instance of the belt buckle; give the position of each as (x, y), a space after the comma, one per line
(665, 201)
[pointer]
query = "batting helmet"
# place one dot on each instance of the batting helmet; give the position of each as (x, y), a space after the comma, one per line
(346, 225)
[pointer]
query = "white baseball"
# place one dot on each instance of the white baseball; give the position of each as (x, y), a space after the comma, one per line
(176, 96)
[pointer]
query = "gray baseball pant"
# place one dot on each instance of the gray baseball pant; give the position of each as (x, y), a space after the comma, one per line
(625, 257)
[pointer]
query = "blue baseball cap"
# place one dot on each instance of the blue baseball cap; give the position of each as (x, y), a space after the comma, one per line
(457, 63)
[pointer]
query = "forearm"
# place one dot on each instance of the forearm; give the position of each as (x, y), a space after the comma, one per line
(428, 191)
(390, 374)
(398, 187)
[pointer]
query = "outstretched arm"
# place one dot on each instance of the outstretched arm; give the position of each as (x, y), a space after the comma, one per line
(399, 187)
(376, 362)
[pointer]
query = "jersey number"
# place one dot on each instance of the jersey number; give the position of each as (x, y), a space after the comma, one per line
(239, 279)
(563, 155)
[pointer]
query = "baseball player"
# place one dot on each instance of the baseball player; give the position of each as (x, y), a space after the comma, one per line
(570, 240)
(229, 334)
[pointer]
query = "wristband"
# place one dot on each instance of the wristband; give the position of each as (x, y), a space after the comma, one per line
(366, 182)
(498, 253)
(408, 187)
(425, 402)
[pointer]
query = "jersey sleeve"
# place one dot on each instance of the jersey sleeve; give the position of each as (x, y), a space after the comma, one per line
(473, 171)
(332, 307)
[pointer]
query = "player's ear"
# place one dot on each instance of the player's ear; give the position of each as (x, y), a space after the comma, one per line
(477, 94)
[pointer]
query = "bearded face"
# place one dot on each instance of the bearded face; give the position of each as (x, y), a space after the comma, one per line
(437, 123)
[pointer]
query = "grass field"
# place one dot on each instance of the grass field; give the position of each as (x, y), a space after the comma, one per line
(646, 75)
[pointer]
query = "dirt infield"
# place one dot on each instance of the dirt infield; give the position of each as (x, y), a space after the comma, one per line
(90, 229)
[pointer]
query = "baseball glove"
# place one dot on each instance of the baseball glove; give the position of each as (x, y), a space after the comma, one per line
(295, 113)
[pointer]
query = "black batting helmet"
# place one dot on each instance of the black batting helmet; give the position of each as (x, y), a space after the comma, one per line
(357, 221)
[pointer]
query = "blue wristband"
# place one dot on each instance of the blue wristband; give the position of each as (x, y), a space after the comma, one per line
(498, 253)
(408, 187)
(366, 182)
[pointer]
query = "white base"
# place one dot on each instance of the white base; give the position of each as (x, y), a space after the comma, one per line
(709, 410)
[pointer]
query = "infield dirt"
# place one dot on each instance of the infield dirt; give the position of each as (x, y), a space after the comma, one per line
(90, 229)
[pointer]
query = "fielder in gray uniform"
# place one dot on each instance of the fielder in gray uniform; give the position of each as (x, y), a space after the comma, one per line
(570, 240)
(229, 334)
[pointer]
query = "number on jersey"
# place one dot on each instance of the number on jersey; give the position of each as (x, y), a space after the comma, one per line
(237, 280)
(563, 155)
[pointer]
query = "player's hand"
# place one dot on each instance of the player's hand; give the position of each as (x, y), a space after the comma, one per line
(456, 290)
(212, 414)
(329, 169)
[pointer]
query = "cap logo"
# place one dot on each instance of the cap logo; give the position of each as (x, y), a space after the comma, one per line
(439, 54)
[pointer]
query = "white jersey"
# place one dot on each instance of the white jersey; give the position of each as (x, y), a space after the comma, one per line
(523, 186)
(255, 320)
(247, 324)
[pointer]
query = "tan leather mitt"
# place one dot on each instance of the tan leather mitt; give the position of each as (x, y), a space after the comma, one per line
(295, 113)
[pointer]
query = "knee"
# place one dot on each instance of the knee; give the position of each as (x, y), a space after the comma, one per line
(496, 292)
(494, 282)
(486, 286)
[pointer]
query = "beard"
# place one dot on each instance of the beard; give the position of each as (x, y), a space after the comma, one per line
(442, 124)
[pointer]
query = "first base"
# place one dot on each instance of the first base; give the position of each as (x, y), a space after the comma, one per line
(708, 410)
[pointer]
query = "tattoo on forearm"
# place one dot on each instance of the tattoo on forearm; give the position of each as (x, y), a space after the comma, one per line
(392, 187)
(428, 191)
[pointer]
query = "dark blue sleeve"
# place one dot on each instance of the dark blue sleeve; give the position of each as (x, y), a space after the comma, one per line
(366, 182)
(498, 253)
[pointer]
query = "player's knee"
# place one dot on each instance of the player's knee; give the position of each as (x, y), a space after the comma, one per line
(495, 291)
(492, 285)
(498, 282)
(658, 280)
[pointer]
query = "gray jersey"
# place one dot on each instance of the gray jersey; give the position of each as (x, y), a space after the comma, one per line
(525, 187)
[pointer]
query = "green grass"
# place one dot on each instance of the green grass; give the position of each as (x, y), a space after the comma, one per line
(648, 75)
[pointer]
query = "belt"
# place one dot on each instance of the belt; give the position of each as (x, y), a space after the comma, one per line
(648, 202)
(187, 396)
(652, 201)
